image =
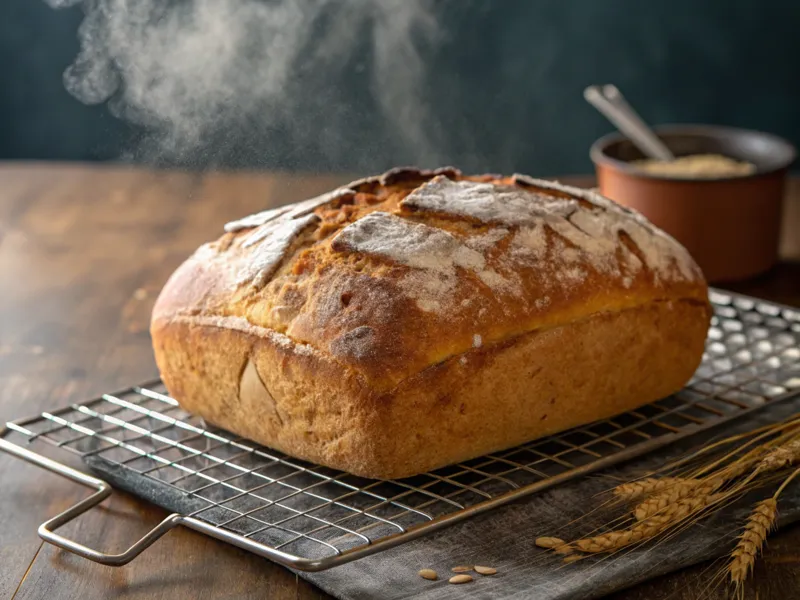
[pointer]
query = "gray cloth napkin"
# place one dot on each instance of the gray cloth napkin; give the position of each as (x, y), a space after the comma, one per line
(504, 538)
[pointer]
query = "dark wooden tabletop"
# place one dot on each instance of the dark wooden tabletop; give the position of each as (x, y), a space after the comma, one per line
(83, 253)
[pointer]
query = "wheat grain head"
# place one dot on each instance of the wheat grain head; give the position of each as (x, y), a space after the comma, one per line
(634, 490)
(646, 529)
(669, 500)
(782, 456)
(758, 526)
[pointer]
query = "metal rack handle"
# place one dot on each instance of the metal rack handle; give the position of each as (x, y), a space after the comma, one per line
(47, 529)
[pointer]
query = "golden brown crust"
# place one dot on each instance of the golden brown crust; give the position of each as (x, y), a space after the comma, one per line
(374, 329)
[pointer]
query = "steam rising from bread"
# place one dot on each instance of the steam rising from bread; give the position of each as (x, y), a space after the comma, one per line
(216, 81)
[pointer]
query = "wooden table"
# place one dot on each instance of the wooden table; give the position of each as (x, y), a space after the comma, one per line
(83, 253)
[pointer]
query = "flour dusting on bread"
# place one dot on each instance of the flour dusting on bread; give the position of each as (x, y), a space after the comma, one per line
(530, 242)
(592, 231)
(408, 243)
(663, 254)
(292, 211)
(430, 291)
(434, 253)
(271, 241)
(485, 202)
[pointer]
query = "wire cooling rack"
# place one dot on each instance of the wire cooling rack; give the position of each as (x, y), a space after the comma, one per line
(312, 518)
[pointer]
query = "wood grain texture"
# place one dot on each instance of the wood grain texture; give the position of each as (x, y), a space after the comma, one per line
(83, 252)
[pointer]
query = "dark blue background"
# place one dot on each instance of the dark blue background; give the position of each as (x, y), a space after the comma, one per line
(505, 83)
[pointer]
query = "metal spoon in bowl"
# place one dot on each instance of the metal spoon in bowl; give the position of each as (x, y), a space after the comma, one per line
(612, 104)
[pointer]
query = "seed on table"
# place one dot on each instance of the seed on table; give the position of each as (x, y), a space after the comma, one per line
(428, 574)
(461, 569)
(572, 558)
(485, 570)
(549, 542)
(460, 579)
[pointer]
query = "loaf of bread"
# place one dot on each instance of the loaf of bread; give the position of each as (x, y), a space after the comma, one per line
(422, 318)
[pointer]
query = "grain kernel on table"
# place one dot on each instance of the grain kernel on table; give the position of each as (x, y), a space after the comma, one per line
(429, 574)
(460, 579)
(461, 569)
(485, 570)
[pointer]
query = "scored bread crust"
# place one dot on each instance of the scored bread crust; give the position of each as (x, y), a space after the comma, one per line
(417, 319)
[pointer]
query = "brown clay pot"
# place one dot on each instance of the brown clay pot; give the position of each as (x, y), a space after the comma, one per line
(730, 225)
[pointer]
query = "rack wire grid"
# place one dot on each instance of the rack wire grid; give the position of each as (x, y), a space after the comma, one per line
(311, 518)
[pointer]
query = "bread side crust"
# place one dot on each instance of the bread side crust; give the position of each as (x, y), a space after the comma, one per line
(302, 402)
(264, 387)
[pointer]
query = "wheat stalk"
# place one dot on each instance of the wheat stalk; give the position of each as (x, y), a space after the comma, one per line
(638, 489)
(780, 457)
(756, 436)
(645, 529)
(759, 524)
(740, 466)
(666, 504)
(738, 463)
(665, 501)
